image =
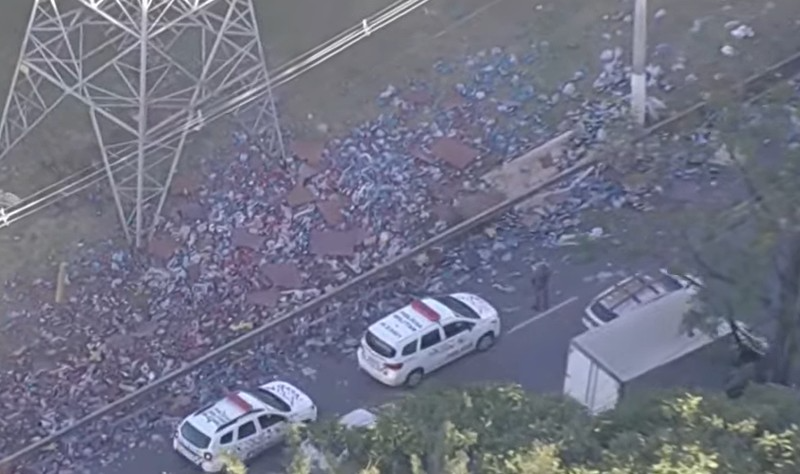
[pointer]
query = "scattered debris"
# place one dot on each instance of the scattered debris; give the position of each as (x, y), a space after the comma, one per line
(742, 32)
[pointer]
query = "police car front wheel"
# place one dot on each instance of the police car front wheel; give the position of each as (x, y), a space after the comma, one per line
(414, 378)
(485, 342)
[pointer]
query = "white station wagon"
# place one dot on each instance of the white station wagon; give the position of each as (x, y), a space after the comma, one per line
(243, 424)
(635, 292)
(412, 342)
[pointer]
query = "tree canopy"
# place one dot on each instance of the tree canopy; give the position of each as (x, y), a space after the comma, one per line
(744, 243)
(505, 430)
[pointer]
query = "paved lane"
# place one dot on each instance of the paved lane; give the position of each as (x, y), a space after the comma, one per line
(531, 352)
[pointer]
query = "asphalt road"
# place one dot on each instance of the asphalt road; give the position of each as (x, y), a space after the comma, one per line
(531, 352)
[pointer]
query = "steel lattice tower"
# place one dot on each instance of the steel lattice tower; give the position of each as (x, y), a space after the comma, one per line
(150, 72)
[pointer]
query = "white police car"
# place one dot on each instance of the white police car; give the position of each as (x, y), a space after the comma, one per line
(406, 345)
(243, 424)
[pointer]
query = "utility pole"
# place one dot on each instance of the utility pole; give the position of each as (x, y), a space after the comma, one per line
(638, 73)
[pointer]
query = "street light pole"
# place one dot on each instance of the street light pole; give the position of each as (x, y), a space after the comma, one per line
(638, 74)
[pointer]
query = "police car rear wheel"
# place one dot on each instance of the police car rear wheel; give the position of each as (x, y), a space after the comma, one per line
(414, 378)
(485, 342)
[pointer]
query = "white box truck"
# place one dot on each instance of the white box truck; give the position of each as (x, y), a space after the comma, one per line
(647, 347)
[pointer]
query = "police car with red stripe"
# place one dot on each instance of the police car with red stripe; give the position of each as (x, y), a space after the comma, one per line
(412, 342)
(243, 424)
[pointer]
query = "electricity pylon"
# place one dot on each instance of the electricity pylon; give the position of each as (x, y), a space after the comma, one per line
(150, 72)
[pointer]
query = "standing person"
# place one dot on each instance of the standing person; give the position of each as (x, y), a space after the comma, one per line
(541, 283)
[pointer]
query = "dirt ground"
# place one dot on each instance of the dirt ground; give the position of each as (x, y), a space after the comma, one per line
(687, 35)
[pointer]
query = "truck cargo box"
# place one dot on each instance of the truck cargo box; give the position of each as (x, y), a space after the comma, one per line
(646, 348)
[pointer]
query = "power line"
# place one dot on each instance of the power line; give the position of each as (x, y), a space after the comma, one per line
(91, 175)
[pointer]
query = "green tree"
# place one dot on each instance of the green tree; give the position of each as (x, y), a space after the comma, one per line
(750, 434)
(745, 250)
(300, 463)
(233, 465)
(439, 428)
(750, 259)
(504, 430)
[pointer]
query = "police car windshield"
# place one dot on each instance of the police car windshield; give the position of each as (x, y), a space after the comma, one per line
(272, 400)
(194, 436)
(458, 307)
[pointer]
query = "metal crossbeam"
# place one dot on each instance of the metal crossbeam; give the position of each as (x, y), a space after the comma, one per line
(146, 70)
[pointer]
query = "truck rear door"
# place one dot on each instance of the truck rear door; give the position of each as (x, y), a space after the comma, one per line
(588, 383)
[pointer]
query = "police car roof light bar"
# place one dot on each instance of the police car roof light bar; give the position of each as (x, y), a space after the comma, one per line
(239, 402)
(426, 311)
